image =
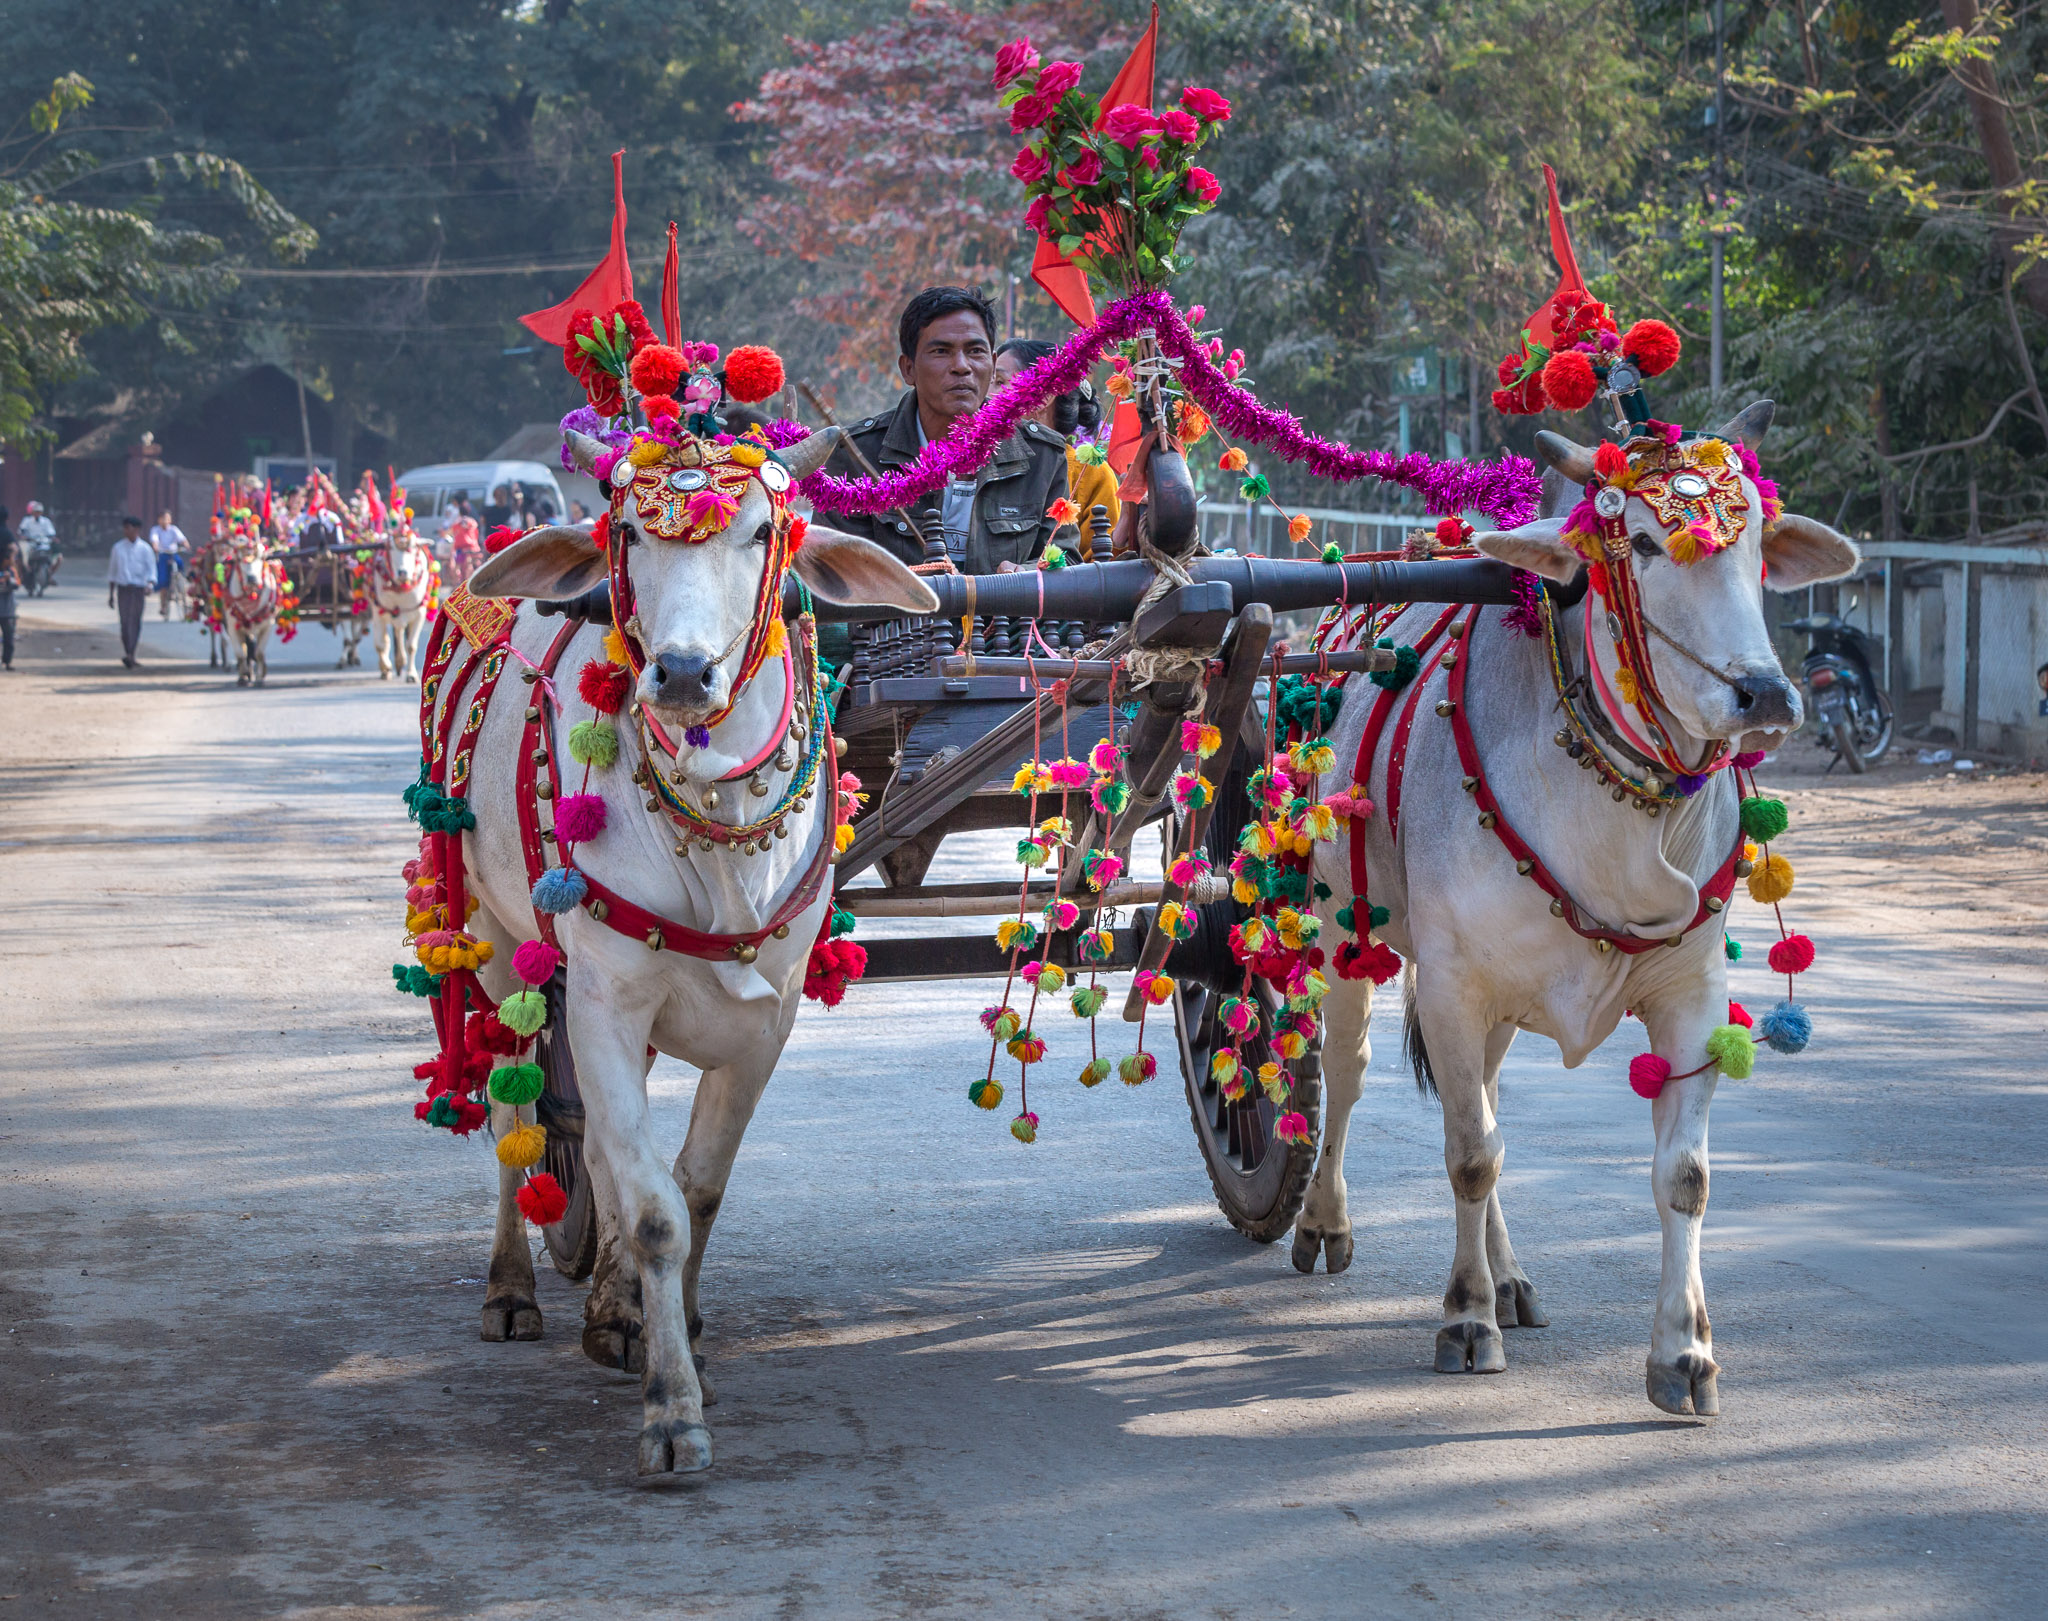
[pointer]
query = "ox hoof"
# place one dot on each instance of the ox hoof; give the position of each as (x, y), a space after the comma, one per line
(511, 1320)
(1307, 1246)
(1336, 1252)
(674, 1446)
(615, 1345)
(1335, 1249)
(1686, 1387)
(1515, 1304)
(1470, 1347)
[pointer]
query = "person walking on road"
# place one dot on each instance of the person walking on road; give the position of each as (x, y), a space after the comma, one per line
(169, 543)
(131, 576)
(10, 582)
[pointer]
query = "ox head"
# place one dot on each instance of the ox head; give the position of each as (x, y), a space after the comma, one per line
(696, 568)
(1704, 535)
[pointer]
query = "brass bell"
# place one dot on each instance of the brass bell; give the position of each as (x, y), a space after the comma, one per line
(1469, 784)
(1450, 659)
(654, 939)
(532, 714)
(599, 910)
(1525, 866)
(1586, 760)
(703, 844)
(1620, 794)
(1557, 908)
(1487, 818)
(1714, 903)
(1444, 706)
(543, 790)
(1744, 866)
(1563, 739)
(839, 748)
(781, 831)
(1651, 810)
(782, 931)
(653, 804)
(711, 799)
(1676, 940)
(745, 953)
(1653, 784)
(1603, 946)
(757, 787)
(540, 756)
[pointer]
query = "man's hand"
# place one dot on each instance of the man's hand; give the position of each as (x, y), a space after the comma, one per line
(110, 595)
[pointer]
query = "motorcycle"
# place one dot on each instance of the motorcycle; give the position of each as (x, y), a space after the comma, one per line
(1851, 713)
(45, 557)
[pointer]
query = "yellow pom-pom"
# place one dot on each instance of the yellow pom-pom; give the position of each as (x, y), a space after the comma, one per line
(1243, 891)
(615, 647)
(522, 1146)
(1274, 1082)
(646, 452)
(1625, 684)
(745, 454)
(778, 640)
(1771, 881)
(842, 836)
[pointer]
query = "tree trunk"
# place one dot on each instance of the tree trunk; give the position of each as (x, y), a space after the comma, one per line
(1987, 111)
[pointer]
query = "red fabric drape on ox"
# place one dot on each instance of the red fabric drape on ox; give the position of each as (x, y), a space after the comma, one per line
(1570, 281)
(610, 283)
(1062, 279)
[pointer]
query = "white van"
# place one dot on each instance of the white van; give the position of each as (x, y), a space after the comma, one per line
(430, 492)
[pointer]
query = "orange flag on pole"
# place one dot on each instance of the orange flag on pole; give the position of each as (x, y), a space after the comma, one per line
(610, 283)
(1063, 280)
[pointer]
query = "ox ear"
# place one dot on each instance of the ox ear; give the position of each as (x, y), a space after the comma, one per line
(1569, 457)
(806, 456)
(1749, 425)
(1535, 547)
(857, 573)
(552, 564)
(1801, 551)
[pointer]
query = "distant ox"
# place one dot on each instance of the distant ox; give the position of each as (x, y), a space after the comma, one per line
(401, 583)
(1490, 952)
(252, 589)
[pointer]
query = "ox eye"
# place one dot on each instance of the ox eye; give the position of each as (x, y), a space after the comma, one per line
(761, 535)
(1645, 546)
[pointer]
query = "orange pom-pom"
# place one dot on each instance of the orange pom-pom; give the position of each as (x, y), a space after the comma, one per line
(1232, 460)
(1653, 346)
(1568, 380)
(752, 373)
(1298, 527)
(656, 369)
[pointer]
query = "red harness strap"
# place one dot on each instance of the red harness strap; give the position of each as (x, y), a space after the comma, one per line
(1368, 747)
(1713, 894)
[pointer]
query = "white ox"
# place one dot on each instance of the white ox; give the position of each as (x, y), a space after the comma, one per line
(1487, 957)
(401, 581)
(252, 587)
(729, 1018)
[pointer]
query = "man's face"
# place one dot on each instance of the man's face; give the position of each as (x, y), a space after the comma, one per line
(164, 518)
(131, 531)
(952, 366)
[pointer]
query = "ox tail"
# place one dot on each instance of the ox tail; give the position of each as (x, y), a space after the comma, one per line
(1412, 1044)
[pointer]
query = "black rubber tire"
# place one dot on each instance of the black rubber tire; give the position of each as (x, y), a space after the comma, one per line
(1845, 744)
(572, 1241)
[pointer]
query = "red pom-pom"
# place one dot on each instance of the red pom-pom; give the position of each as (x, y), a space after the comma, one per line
(1509, 371)
(601, 531)
(1453, 531)
(752, 373)
(487, 1033)
(1568, 380)
(1376, 962)
(1647, 1074)
(798, 528)
(542, 1200)
(1609, 460)
(661, 407)
(603, 685)
(1738, 1014)
(657, 369)
(639, 333)
(501, 537)
(1652, 345)
(1504, 402)
(1792, 955)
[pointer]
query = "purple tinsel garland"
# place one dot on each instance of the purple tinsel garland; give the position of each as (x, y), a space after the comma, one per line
(1506, 491)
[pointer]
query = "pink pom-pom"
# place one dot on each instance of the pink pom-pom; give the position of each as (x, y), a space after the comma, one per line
(1792, 955)
(535, 961)
(1186, 869)
(1647, 1074)
(1348, 804)
(1291, 1127)
(579, 817)
(1749, 761)
(1068, 774)
(1738, 1014)
(1106, 756)
(410, 872)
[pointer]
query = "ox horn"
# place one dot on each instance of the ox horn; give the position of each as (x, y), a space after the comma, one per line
(807, 455)
(1570, 458)
(583, 450)
(1749, 425)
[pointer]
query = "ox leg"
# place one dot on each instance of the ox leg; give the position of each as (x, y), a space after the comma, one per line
(378, 633)
(1457, 1039)
(408, 648)
(1325, 1220)
(610, 1046)
(612, 1319)
(511, 1309)
(1681, 1374)
(1514, 1297)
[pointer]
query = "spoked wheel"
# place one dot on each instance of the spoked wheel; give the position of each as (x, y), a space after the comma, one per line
(1259, 1180)
(572, 1241)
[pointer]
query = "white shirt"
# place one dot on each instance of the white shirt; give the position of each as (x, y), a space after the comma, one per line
(956, 507)
(168, 539)
(36, 527)
(133, 562)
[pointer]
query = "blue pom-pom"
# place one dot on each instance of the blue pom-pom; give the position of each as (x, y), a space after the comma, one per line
(559, 889)
(1785, 1028)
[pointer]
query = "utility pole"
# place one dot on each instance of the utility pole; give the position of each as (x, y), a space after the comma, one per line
(1716, 196)
(305, 423)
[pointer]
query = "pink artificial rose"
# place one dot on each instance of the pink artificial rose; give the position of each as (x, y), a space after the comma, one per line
(1035, 215)
(1083, 171)
(1149, 156)
(1014, 59)
(1206, 105)
(1057, 79)
(1129, 124)
(1178, 126)
(1204, 185)
(1029, 114)
(1031, 166)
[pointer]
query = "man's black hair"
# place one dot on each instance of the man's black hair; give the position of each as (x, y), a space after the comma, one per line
(933, 304)
(135, 521)
(1077, 408)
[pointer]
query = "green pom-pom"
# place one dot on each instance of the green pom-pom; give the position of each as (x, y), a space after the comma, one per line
(442, 1112)
(1333, 553)
(1346, 913)
(594, 743)
(517, 1083)
(1094, 1072)
(1031, 852)
(1115, 796)
(1732, 1050)
(1087, 1002)
(985, 1094)
(1406, 662)
(842, 922)
(1055, 559)
(1732, 949)
(1378, 917)
(1255, 488)
(414, 980)
(523, 1012)
(1764, 819)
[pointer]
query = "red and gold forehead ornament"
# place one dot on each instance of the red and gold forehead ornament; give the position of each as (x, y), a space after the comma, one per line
(690, 490)
(1693, 486)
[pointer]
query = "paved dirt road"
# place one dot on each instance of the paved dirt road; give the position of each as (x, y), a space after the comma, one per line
(241, 1374)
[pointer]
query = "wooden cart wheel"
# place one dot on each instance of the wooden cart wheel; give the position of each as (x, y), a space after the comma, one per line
(572, 1241)
(1260, 1181)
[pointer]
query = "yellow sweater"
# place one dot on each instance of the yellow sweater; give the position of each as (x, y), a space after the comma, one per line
(1090, 487)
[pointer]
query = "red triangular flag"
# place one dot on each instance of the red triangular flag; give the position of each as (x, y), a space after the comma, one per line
(610, 283)
(671, 294)
(1570, 281)
(1064, 281)
(1124, 433)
